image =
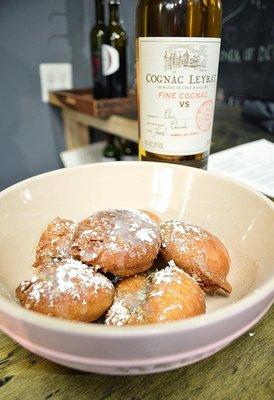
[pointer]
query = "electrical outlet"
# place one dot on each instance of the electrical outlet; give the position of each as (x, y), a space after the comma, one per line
(54, 77)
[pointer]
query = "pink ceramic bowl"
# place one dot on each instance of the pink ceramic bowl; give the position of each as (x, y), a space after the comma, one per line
(242, 218)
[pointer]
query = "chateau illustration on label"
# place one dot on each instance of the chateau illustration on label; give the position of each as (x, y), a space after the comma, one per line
(185, 56)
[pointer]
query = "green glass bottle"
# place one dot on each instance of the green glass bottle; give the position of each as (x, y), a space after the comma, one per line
(98, 39)
(177, 52)
(116, 53)
(129, 150)
(111, 152)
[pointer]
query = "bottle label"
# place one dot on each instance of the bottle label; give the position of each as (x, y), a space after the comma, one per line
(110, 60)
(177, 84)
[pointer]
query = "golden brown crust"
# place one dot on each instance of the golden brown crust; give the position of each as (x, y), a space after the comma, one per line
(198, 252)
(173, 295)
(127, 306)
(132, 284)
(55, 242)
(166, 295)
(68, 289)
(123, 242)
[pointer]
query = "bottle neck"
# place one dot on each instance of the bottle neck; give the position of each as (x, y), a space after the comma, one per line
(114, 12)
(100, 17)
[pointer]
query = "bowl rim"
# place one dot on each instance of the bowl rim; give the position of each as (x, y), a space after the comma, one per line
(78, 328)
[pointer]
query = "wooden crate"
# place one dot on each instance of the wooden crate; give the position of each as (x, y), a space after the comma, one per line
(82, 100)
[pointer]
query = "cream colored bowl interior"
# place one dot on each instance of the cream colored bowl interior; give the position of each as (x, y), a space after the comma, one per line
(243, 220)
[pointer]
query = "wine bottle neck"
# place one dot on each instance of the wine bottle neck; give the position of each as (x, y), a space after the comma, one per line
(114, 12)
(100, 16)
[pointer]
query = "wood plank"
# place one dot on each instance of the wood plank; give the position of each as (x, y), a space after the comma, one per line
(116, 125)
(242, 371)
(82, 100)
(76, 133)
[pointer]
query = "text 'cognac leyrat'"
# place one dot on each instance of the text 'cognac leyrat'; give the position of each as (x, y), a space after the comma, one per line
(178, 46)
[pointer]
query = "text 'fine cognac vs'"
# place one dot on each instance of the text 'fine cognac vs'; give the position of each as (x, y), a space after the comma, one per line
(178, 46)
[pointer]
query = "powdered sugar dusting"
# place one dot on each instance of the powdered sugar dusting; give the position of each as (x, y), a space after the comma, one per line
(118, 314)
(68, 277)
(143, 216)
(166, 275)
(197, 252)
(156, 293)
(131, 307)
(55, 242)
(69, 273)
(172, 264)
(183, 234)
(144, 235)
(126, 309)
(120, 231)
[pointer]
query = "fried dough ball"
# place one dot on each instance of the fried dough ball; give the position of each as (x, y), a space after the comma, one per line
(68, 289)
(197, 252)
(123, 242)
(153, 216)
(173, 295)
(55, 242)
(166, 295)
(130, 297)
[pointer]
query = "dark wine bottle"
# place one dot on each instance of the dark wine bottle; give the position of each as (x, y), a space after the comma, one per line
(98, 39)
(115, 60)
(111, 152)
(129, 150)
(178, 45)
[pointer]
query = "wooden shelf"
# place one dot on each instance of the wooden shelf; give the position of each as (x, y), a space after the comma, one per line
(81, 111)
(82, 100)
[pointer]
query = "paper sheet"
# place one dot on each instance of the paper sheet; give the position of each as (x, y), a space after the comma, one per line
(83, 155)
(251, 163)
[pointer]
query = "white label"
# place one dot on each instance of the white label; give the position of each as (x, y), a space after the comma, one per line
(178, 78)
(110, 60)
